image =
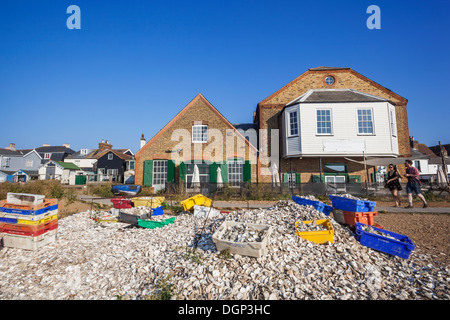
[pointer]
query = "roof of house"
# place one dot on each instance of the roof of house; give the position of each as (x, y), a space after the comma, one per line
(335, 96)
(123, 156)
(79, 155)
(437, 149)
(48, 149)
(68, 165)
(8, 152)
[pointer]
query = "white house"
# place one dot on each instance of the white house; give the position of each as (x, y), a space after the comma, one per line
(338, 123)
(58, 170)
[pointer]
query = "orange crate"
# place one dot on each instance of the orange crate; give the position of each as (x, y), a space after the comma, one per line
(352, 218)
(27, 229)
(45, 204)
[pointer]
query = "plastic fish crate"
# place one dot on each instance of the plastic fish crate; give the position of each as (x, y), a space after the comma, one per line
(401, 246)
(122, 203)
(351, 218)
(29, 210)
(152, 202)
(149, 224)
(318, 205)
(199, 200)
(14, 216)
(353, 205)
(16, 219)
(29, 230)
(253, 249)
(26, 199)
(29, 243)
(319, 237)
(327, 209)
(157, 211)
(133, 218)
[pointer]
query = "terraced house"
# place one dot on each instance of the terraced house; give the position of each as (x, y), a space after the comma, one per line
(329, 119)
(199, 135)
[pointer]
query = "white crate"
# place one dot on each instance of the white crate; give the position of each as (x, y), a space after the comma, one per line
(203, 212)
(253, 249)
(29, 243)
(29, 217)
(25, 199)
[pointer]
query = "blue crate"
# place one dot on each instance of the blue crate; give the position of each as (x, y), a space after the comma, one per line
(401, 246)
(157, 211)
(318, 205)
(352, 205)
(327, 210)
(28, 212)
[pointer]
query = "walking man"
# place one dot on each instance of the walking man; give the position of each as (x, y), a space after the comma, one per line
(412, 174)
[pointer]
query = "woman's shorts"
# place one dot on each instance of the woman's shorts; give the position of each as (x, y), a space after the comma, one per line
(410, 187)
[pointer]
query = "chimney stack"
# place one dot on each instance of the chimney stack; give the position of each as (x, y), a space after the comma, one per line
(67, 145)
(102, 146)
(12, 146)
(142, 141)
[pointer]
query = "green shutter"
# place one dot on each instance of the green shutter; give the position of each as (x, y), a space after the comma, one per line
(170, 171)
(247, 171)
(213, 172)
(315, 178)
(148, 173)
(182, 171)
(224, 167)
(298, 178)
(285, 177)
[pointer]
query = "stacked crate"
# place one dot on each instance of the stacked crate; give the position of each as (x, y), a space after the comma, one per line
(354, 210)
(28, 221)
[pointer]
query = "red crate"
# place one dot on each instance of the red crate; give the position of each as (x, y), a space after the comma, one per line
(45, 204)
(122, 203)
(29, 230)
(352, 218)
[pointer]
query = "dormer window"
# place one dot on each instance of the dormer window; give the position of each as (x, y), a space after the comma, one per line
(83, 151)
(199, 133)
(110, 156)
(47, 156)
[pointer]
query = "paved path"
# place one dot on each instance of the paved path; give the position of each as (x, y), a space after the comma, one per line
(253, 205)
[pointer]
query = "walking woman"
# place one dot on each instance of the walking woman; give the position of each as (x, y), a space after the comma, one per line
(393, 183)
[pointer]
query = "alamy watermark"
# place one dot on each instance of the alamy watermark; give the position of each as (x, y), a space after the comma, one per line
(74, 20)
(374, 21)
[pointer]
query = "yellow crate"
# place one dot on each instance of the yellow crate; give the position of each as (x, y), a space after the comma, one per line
(199, 200)
(152, 202)
(37, 222)
(317, 236)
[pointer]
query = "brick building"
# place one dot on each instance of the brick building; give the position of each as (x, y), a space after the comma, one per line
(324, 103)
(198, 135)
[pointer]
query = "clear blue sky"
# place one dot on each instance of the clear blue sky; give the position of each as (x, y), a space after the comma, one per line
(135, 64)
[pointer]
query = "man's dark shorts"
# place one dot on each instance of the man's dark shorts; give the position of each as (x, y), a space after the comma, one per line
(410, 187)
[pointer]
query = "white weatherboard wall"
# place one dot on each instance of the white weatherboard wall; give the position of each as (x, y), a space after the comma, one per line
(344, 139)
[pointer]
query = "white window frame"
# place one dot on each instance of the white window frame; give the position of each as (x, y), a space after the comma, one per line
(393, 122)
(129, 165)
(235, 172)
(357, 122)
(47, 156)
(202, 134)
(6, 162)
(110, 156)
(159, 172)
(331, 122)
(29, 163)
(84, 151)
(292, 180)
(289, 124)
(112, 172)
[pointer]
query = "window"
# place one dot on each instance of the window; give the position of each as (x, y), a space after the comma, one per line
(200, 133)
(29, 163)
(112, 172)
(235, 172)
(131, 165)
(329, 80)
(335, 168)
(110, 156)
(83, 151)
(159, 172)
(6, 162)
(365, 121)
(417, 165)
(292, 179)
(293, 123)
(324, 121)
(47, 156)
(392, 118)
(203, 169)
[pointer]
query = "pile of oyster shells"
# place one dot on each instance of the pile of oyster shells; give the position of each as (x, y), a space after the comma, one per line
(367, 228)
(106, 260)
(242, 233)
(312, 226)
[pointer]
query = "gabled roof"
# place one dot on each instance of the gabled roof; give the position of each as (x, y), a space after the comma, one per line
(183, 111)
(55, 149)
(324, 70)
(335, 96)
(123, 156)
